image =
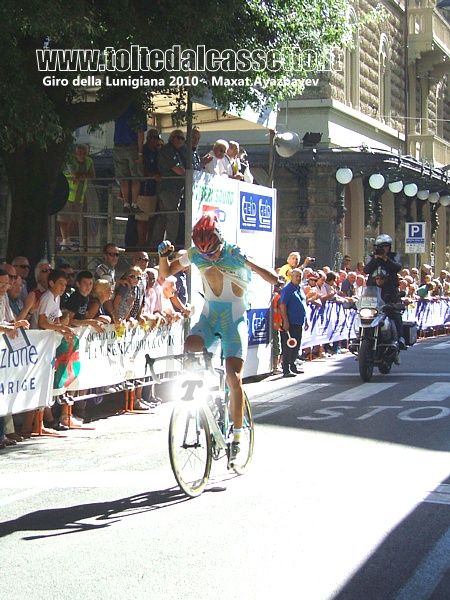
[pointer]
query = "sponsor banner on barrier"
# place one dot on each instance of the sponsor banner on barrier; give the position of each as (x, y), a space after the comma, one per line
(429, 313)
(112, 357)
(26, 374)
(329, 323)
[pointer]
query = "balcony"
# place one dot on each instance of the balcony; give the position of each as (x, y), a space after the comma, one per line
(429, 147)
(428, 39)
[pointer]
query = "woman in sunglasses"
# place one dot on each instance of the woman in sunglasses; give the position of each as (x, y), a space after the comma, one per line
(125, 295)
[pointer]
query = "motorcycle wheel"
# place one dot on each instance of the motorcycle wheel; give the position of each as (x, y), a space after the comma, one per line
(385, 368)
(365, 359)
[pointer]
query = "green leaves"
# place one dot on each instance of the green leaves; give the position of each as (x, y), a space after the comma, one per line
(39, 113)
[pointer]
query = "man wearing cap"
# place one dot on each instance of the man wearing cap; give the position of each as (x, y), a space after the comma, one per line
(293, 314)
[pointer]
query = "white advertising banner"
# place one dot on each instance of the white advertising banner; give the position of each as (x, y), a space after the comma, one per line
(26, 374)
(108, 358)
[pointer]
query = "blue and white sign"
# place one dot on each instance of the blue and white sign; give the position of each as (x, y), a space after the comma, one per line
(415, 238)
(258, 321)
(256, 211)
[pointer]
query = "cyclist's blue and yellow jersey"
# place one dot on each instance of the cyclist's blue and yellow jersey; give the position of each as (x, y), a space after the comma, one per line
(224, 314)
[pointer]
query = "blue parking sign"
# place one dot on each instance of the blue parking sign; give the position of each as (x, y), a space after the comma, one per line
(416, 230)
(415, 236)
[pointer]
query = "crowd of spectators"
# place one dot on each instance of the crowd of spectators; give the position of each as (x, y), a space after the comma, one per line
(346, 286)
(61, 301)
(151, 177)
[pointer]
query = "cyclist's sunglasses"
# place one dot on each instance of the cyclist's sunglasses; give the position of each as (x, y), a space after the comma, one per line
(209, 254)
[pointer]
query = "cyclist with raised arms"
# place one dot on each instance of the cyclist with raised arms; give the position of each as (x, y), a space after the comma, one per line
(226, 273)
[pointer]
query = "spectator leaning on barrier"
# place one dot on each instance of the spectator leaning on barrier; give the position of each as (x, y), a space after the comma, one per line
(8, 324)
(21, 309)
(49, 314)
(22, 266)
(78, 302)
(101, 293)
(125, 296)
(217, 165)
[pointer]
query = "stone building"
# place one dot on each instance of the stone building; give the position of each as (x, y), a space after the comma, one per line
(383, 110)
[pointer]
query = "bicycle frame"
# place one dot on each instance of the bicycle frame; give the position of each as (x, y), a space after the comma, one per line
(197, 435)
(202, 402)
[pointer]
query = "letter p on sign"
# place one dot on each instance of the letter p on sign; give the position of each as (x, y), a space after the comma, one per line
(415, 230)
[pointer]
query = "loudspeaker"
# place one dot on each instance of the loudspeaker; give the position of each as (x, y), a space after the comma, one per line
(286, 144)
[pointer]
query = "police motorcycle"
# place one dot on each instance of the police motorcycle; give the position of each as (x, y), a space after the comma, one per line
(377, 339)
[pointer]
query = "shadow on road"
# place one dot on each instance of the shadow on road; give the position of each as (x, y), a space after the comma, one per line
(411, 563)
(72, 519)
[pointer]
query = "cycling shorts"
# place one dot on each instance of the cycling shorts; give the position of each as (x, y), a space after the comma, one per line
(219, 320)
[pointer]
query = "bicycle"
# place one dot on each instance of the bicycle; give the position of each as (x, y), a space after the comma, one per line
(201, 431)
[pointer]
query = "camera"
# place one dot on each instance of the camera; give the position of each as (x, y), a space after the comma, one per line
(379, 250)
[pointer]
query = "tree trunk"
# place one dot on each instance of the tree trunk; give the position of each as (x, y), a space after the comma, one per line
(32, 178)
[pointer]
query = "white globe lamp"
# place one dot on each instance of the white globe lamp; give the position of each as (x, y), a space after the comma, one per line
(434, 197)
(344, 175)
(423, 194)
(396, 186)
(410, 190)
(376, 181)
(444, 200)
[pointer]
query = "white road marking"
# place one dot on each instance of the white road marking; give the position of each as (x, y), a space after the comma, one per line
(439, 346)
(361, 392)
(429, 573)
(270, 411)
(394, 374)
(441, 495)
(279, 396)
(436, 392)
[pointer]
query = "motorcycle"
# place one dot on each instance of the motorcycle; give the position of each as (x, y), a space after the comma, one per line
(377, 339)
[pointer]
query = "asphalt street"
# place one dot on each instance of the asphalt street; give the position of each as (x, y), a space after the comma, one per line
(347, 497)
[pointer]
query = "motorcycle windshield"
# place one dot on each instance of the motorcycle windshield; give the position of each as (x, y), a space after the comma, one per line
(370, 298)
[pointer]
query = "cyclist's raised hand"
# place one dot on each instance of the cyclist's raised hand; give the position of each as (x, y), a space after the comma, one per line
(165, 248)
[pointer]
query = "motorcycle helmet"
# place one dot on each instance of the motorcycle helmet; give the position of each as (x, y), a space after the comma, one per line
(380, 272)
(383, 238)
(206, 233)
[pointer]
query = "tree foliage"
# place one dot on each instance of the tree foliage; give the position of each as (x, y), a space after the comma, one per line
(37, 121)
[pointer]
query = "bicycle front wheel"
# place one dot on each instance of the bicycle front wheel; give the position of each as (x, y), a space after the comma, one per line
(190, 447)
(244, 457)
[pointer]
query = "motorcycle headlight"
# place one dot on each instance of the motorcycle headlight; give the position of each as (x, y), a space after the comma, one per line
(368, 313)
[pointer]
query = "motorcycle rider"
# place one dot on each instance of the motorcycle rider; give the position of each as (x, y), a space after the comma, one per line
(390, 295)
(385, 265)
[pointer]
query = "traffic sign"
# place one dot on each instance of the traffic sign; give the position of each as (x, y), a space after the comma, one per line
(415, 238)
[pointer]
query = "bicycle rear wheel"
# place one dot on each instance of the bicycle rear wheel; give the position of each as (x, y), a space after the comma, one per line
(190, 447)
(244, 457)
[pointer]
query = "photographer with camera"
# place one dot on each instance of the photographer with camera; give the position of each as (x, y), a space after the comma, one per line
(383, 259)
